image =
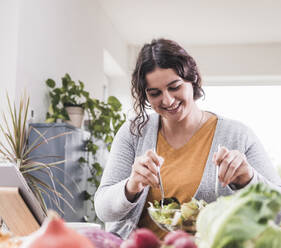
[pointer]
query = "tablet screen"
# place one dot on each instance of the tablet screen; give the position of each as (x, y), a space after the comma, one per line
(10, 176)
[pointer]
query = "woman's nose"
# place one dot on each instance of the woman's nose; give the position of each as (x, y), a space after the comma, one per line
(167, 99)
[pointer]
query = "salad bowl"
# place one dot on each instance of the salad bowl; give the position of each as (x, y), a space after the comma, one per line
(175, 216)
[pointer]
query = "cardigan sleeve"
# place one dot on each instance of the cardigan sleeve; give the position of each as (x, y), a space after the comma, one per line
(237, 136)
(111, 203)
(264, 170)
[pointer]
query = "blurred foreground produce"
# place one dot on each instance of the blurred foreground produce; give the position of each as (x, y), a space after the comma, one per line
(244, 219)
(144, 238)
(55, 234)
(179, 239)
(101, 238)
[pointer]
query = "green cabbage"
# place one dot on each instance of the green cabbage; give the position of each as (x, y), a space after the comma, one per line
(241, 220)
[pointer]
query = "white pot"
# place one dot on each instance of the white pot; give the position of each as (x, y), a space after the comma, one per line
(76, 115)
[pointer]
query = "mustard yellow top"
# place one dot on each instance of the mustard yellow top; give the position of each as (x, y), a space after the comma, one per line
(182, 169)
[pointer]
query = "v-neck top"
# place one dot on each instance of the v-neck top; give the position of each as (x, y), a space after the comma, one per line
(182, 169)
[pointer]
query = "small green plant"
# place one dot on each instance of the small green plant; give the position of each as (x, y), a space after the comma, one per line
(69, 94)
(104, 120)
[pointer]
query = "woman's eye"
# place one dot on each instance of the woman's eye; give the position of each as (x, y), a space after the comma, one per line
(154, 94)
(175, 88)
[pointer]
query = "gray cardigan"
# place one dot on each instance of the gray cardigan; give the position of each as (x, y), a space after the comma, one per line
(121, 216)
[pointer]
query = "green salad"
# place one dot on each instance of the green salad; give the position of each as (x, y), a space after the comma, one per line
(174, 216)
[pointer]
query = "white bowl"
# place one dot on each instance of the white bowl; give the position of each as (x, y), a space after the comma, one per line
(81, 225)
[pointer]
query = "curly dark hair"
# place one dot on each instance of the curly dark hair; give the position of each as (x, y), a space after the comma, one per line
(165, 54)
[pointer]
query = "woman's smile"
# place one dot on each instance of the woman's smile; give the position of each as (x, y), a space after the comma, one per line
(174, 108)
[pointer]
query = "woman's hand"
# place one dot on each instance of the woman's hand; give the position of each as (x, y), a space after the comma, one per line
(233, 167)
(144, 172)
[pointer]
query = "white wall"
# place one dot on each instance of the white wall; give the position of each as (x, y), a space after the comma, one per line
(112, 41)
(116, 63)
(56, 37)
(120, 87)
(8, 53)
(8, 49)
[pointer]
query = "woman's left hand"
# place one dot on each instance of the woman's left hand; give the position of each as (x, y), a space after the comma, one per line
(233, 167)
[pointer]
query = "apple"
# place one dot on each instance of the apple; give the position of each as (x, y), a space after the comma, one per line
(142, 238)
(184, 242)
(171, 237)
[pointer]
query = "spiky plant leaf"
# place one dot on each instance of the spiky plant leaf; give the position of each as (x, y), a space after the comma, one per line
(17, 151)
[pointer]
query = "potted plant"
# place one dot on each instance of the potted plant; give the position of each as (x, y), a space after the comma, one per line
(104, 120)
(67, 101)
(17, 151)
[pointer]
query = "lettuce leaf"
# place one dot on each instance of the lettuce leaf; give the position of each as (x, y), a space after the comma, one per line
(270, 238)
(233, 220)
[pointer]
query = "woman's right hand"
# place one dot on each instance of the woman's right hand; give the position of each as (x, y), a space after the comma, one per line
(144, 172)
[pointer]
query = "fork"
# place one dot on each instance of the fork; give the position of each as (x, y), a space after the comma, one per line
(160, 183)
(161, 186)
(217, 177)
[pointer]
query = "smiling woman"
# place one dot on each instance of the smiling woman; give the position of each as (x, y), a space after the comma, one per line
(167, 64)
(179, 137)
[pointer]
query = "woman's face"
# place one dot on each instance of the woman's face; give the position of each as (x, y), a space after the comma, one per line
(168, 94)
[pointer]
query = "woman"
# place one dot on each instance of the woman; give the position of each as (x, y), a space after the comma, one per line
(186, 138)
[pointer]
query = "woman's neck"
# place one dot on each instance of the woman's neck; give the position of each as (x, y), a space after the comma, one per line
(190, 122)
(178, 133)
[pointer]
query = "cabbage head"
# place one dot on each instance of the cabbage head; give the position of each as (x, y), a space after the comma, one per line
(244, 220)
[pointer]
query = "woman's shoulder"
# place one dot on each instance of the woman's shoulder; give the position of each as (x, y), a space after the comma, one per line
(151, 125)
(231, 123)
(232, 127)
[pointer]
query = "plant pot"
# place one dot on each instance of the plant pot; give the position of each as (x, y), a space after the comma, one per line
(76, 115)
